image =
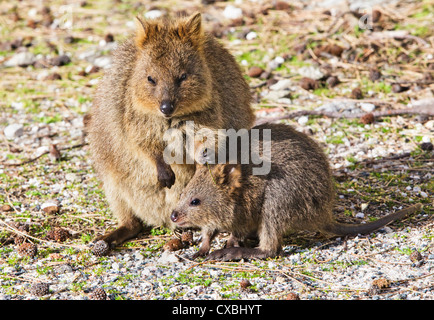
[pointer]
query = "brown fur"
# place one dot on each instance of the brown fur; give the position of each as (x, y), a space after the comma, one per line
(298, 194)
(202, 82)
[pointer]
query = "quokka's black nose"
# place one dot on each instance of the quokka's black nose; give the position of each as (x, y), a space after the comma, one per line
(166, 107)
(174, 216)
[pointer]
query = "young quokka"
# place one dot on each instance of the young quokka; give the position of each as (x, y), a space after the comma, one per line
(170, 72)
(297, 194)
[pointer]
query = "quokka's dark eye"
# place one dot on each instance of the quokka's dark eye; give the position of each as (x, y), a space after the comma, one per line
(195, 202)
(183, 77)
(151, 80)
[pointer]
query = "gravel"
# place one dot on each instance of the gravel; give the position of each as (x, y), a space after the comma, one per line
(332, 270)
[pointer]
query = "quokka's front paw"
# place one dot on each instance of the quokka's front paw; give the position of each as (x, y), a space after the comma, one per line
(166, 176)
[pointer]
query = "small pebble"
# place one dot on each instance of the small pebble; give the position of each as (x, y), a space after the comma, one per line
(367, 107)
(13, 131)
(356, 93)
(374, 75)
(309, 84)
(251, 35)
(396, 87)
(332, 81)
(153, 14)
(282, 5)
(232, 12)
(303, 120)
(60, 60)
(255, 72)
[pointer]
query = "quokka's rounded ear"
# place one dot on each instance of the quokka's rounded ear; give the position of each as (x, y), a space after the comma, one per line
(228, 175)
(191, 29)
(194, 24)
(145, 30)
(142, 30)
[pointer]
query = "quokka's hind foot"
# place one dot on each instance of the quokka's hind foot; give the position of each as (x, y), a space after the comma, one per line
(122, 233)
(237, 253)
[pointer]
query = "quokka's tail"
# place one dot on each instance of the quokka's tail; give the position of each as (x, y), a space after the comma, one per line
(344, 229)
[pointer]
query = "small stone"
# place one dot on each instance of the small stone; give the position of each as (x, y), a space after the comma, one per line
(40, 289)
(397, 88)
(21, 59)
(63, 268)
(13, 131)
(91, 69)
(244, 284)
(265, 75)
(103, 62)
(60, 60)
(429, 125)
(31, 23)
(416, 189)
(303, 120)
(101, 248)
(251, 35)
(232, 12)
(72, 177)
(311, 72)
(69, 39)
(332, 81)
(109, 37)
(42, 63)
(402, 57)
(51, 209)
(415, 256)
(6, 208)
(282, 5)
(356, 93)
(277, 95)
(332, 49)
(255, 72)
(275, 63)
(153, 14)
(168, 257)
(374, 75)
(335, 50)
(367, 107)
(281, 85)
(309, 84)
(53, 76)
